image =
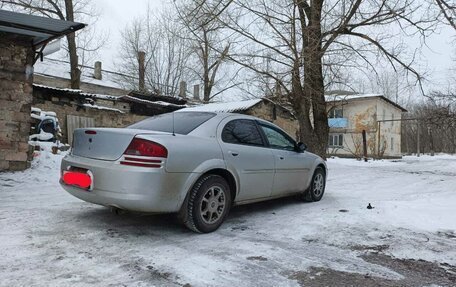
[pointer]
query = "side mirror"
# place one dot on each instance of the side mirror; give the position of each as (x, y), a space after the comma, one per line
(301, 147)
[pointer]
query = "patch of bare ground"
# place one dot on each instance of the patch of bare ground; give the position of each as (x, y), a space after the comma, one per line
(415, 273)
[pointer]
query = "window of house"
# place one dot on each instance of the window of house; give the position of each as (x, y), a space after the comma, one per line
(336, 113)
(277, 139)
(242, 132)
(392, 120)
(336, 140)
(392, 144)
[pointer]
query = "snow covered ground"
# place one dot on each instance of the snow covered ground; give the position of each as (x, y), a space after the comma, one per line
(49, 238)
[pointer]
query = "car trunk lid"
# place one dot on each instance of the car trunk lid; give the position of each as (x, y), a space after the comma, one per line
(104, 143)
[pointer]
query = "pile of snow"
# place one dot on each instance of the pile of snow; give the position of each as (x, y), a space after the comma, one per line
(42, 136)
(42, 115)
(227, 107)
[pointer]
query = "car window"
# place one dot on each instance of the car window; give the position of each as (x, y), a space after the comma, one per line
(278, 139)
(242, 132)
(183, 122)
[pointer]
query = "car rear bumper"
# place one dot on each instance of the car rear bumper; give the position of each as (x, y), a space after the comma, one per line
(129, 187)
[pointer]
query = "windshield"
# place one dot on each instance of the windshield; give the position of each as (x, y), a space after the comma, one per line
(184, 122)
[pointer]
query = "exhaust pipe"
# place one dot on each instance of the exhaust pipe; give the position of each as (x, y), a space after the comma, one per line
(117, 211)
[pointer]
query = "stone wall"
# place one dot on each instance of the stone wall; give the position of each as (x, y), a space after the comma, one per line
(16, 77)
(102, 118)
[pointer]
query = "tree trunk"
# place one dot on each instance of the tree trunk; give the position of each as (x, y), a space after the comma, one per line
(75, 73)
(206, 77)
(313, 118)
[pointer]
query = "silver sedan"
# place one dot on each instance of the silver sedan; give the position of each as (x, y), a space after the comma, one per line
(196, 164)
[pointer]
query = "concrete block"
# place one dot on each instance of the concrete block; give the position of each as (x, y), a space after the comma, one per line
(19, 165)
(22, 146)
(4, 165)
(16, 156)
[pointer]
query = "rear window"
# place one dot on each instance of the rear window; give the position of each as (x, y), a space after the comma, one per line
(184, 122)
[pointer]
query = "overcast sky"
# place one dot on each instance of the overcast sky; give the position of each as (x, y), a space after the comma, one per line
(115, 14)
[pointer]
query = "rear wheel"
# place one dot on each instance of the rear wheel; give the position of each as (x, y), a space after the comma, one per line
(207, 204)
(317, 186)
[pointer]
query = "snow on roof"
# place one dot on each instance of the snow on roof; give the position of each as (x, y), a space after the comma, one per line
(61, 69)
(340, 98)
(97, 96)
(102, 108)
(227, 107)
(160, 103)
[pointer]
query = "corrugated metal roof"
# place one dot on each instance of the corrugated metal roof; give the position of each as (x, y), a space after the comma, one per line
(41, 29)
(227, 107)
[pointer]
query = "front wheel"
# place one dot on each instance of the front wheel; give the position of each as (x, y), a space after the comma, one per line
(317, 186)
(207, 205)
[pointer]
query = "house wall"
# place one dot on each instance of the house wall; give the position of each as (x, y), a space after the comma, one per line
(16, 76)
(362, 114)
(265, 110)
(390, 132)
(63, 106)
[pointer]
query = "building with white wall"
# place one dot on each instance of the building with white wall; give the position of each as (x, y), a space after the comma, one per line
(350, 114)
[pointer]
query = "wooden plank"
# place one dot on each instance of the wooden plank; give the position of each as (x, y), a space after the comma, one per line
(75, 122)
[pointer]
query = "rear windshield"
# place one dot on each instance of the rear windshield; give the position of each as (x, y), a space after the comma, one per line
(184, 122)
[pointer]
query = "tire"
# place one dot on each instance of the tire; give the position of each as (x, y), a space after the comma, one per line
(207, 204)
(317, 186)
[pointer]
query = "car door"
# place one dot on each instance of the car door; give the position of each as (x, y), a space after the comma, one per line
(292, 168)
(245, 154)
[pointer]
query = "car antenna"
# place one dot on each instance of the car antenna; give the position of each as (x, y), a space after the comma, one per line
(173, 124)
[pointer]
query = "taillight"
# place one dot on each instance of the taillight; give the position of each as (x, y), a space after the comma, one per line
(141, 147)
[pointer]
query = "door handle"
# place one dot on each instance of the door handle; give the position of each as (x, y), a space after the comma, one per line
(234, 153)
(281, 157)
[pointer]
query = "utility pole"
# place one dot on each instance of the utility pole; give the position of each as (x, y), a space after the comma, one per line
(378, 140)
(431, 141)
(418, 138)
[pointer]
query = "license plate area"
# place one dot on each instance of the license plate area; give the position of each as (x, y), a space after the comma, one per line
(78, 177)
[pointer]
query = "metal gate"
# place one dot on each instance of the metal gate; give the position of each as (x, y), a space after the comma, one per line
(75, 122)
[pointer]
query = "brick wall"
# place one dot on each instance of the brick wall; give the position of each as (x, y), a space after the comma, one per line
(16, 76)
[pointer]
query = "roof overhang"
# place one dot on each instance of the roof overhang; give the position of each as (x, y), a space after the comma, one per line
(38, 30)
(343, 99)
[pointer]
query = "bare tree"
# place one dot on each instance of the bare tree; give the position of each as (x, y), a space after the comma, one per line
(435, 119)
(307, 42)
(167, 52)
(209, 41)
(448, 10)
(69, 10)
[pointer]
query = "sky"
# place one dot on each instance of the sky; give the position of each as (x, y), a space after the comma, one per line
(115, 15)
(438, 57)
